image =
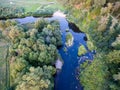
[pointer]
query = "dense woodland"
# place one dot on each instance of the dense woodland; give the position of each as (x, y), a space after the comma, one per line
(100, 20)
(32, 53)
(7, 12)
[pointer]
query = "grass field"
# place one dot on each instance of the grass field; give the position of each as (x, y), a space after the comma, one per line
(31, 5)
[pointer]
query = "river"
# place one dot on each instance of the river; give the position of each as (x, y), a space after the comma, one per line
(66, 78)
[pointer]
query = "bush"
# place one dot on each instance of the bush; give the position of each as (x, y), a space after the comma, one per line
(116, 43)
(90, 46)
(81, 50)
(44, 11)
(69, 39)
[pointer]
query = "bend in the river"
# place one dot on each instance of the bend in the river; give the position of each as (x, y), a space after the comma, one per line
(66, 78)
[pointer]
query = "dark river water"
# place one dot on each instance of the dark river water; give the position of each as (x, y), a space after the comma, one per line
(66, 78)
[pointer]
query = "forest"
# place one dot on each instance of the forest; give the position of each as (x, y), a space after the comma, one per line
(28, 52)
(100, 20)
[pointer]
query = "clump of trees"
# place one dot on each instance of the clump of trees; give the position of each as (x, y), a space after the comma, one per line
(7, 23)
(32, 54)
(81, 50)
(44, 10)
(7, 12)
(69, 39)
(102, 73)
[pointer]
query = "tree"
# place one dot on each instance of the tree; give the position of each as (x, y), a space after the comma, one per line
(69, 39)
(16, 33)
(81, 50)
(2, 25)
(18, 67)
(40, 24)
(116, 43)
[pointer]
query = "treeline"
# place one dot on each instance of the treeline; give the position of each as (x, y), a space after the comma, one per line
(100, 20)
(8, 12)
(11, 12)
(32, 54)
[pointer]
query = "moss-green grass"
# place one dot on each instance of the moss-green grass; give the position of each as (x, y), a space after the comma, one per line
(3, 50)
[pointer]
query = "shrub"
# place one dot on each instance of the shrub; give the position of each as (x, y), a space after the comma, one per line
(81, 50)
(69, 39)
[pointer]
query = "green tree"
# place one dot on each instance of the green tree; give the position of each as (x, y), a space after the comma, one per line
(16, 33)
(18, 67)
(81, 50)
(40, 24)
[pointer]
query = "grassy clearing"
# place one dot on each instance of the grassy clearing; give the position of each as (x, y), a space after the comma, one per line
(3, 50)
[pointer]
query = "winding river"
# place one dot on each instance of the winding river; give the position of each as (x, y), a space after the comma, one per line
(66, 78)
